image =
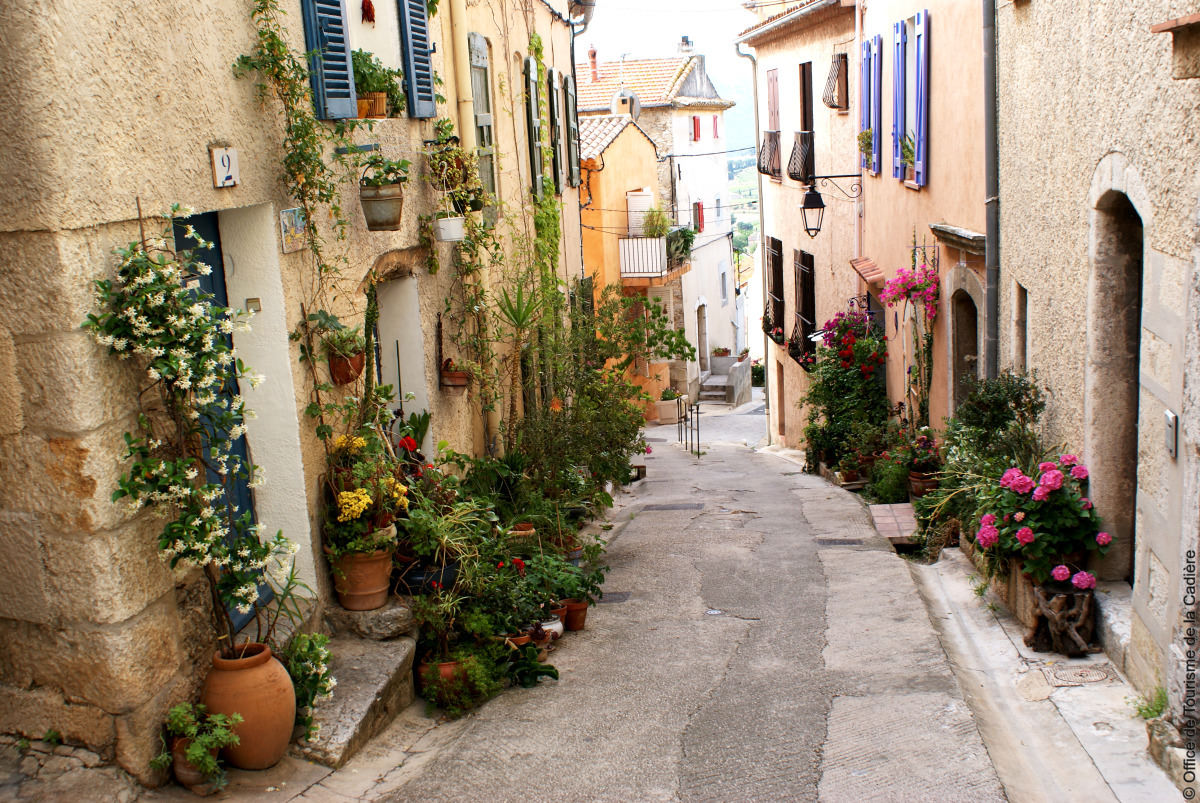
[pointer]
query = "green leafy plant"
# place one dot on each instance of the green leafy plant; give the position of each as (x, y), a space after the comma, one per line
(379, 171)
(866, 143)
(679, 245)
(370, 75)
(669, 394)
(206, 734)
(526, 670)
(889, 482)
(480, 676)
(344, 342)
(52, 737)
(655, 222)
(1151, 707)
(307, 660)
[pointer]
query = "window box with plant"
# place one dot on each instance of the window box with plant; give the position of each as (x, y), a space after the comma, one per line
(381, 192)
(376, 86)
(454, 375)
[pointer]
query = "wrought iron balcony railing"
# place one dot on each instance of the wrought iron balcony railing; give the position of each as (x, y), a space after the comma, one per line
(768, 155)
(802, 164)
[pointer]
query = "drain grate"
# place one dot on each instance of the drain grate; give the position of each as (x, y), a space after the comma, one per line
(615, 596)
(839, 541)
(1079, 674)
(680, 506)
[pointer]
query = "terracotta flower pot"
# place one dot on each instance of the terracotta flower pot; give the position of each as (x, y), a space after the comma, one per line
(519, 640)
(559, 610)
(576, 614)
(524, 530)
(186, 774)
(921, 483)
(454, 379)
(364, 107)
(344, 370)
(446, 670)
(362, 579)
(258, 687)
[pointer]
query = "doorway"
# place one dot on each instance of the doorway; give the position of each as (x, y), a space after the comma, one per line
(965, 318)
(1113, 379)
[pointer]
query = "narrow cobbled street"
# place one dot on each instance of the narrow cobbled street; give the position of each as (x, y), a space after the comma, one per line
(757, 641)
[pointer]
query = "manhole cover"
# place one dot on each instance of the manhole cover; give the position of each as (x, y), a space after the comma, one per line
(615, 596)
(1079, 674)
(839, 541)
(680, 506)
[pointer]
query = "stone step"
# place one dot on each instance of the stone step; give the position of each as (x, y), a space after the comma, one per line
(391, 621)
(716, 379)
(374, 683)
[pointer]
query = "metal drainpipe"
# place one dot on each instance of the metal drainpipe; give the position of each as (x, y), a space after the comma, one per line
(762, 229)
(991, 260)
(461, 58)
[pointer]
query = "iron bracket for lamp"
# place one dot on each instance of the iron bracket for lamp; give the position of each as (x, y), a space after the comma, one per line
(855, 186)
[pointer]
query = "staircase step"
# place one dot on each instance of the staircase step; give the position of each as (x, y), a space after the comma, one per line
(375, 683)
(716, 379)
(391, 621)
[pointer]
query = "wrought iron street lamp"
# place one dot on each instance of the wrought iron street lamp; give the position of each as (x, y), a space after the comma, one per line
(812, 210)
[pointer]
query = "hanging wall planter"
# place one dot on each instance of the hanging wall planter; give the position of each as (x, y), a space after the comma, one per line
(449, 229)
(344, 370)
(382, 206)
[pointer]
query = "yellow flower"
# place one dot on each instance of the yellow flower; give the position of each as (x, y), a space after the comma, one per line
(352, 504)
(351, 443)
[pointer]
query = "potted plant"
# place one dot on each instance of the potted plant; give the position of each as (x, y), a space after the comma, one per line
(345, 348)
(776, 334)
(923, 462)
(375, 85)
(381, 192)
(455, 174)
(743, 354)
(668, 405)
(1043, 530)
(196, 739)
(454, 375)
(848, 468)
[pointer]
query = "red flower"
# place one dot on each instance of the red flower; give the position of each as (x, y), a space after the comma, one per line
(407, 443)
(435, 585)
(885, 338)
(500, 565)
(845, 364)
(520, 564)
(874, 355)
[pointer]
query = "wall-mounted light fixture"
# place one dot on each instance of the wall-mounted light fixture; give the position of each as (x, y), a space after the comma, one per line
(812, 210)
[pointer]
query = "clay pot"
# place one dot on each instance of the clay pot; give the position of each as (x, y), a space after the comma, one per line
(524, 530)
(576, 614)
(187, 775)
(454, 379)
(258, 687)
(519, 640)
(364, 107)
(344, 370)
(378, 103)
(447, 670)
(559, 610)
(921, 483)
(362, 579)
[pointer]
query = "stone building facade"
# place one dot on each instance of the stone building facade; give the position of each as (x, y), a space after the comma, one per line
(1099, 282)
(101, 637)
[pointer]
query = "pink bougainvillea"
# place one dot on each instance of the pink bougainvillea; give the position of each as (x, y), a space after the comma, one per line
(1103, 539)
(919, 286)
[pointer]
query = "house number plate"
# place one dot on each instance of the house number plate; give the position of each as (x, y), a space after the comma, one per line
(225, 167)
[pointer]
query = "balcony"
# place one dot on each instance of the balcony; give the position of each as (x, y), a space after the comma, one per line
(801, 164)
(768, 155)
(650, 261)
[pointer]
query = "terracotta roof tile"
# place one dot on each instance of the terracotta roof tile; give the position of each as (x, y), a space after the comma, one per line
(598, 131)
(654, 81)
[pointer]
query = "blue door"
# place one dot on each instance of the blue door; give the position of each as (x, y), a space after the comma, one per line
(214, 284)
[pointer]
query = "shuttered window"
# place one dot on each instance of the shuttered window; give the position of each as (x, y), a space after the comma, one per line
(556, 142)
(876, 102)
(921, 145)
(695, 128)
(716, 130)
(899, 79)
(572, 117)
(806, 300)
(773, 100)
(910, 98)
(698, 216)
(418, 61)
(329, 67)
(533, 125)
(481, 97)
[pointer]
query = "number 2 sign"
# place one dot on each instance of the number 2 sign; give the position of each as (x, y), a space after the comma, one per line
(225, 167)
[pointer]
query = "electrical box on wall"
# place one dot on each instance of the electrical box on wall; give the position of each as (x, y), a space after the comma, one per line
(1171, 431)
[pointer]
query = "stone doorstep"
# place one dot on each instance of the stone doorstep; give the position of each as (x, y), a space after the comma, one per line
(375, 682)
(896, 523)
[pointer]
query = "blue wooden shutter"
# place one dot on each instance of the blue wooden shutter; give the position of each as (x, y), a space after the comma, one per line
(899, 34)
(569, 111)
(921, 149)
(876, 102)
(556, 163)
(418, 63)
(533, 125)
(864, 97)
(329, 68)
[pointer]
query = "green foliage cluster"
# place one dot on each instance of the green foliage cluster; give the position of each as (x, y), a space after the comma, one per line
(655, 222)
(206, 734)
(371, 76)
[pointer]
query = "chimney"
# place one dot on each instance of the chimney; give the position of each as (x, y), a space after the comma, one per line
(686, 48)
(592, 62)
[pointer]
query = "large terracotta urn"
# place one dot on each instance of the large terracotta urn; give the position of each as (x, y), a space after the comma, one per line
(258, 687)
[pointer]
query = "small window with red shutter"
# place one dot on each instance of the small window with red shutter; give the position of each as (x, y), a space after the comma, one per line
(695, 128)
(716, 131)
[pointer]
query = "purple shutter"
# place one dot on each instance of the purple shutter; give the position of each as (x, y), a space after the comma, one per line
(921, 149)
(876, 101)
(898, 78)
(864, 96)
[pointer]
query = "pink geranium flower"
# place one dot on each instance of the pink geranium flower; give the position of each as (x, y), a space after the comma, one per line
(1025, 536)
(1019, 515)
(1083, 580)
(987, 536)
(1087, 503)
(1006, 480)
(987, 518)
(1068, 460)
(1060, 573)
(1052, 480)
(1103, 539)
(1022, 484)
(1047, 466)
(1040, 494)
(1079, 472)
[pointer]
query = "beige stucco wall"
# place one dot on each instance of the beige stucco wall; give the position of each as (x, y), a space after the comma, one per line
(1088, 106)
(833, 247)
(88, 610)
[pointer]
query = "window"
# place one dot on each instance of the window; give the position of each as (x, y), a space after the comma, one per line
(698, 216)
(806, 307)
(418, 60)
(718, 208)
(481, 94)
(695, 128)
(837, 86)
(556, 144)
(803, 163)
(329, 69)
(773, 315)
(533, 125)
(724, 284)
(806, 97)
(910, 99)
(870, 114)
(716, 130)
(569, 112)
(768, 155)
(1021, 329)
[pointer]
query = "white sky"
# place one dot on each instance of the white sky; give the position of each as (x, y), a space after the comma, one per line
(653, 28)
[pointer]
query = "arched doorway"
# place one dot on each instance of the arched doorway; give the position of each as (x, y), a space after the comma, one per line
(702, 336)
(1113, 385)
(965, 320)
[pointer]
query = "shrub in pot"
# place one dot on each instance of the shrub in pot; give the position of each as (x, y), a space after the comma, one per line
(345, 349)
(381, 192)
(196, 739)
(376, 85)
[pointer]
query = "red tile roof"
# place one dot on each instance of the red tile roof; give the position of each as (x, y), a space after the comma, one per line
(654, 81)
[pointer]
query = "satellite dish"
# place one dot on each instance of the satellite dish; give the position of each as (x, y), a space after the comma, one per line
(626, 102)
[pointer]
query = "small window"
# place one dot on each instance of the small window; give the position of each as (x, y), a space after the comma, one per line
(910, 99)
(533, 124)
(806, 97)
(724, 284)
(698, 216)
(805, 325)
(716, 129)
(871, 107)
(695, 128)
(554, 97)
(1021, 329)
(481, 94)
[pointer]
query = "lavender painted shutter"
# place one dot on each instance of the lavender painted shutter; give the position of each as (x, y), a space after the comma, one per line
(877, 101)
(864, 96)
(898, 77)
(921, 155)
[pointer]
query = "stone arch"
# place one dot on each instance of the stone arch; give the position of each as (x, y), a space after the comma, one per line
(1119, 219)
(965, 294)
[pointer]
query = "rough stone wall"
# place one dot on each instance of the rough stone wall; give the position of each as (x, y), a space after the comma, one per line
(100, 637)
(1120, 124)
